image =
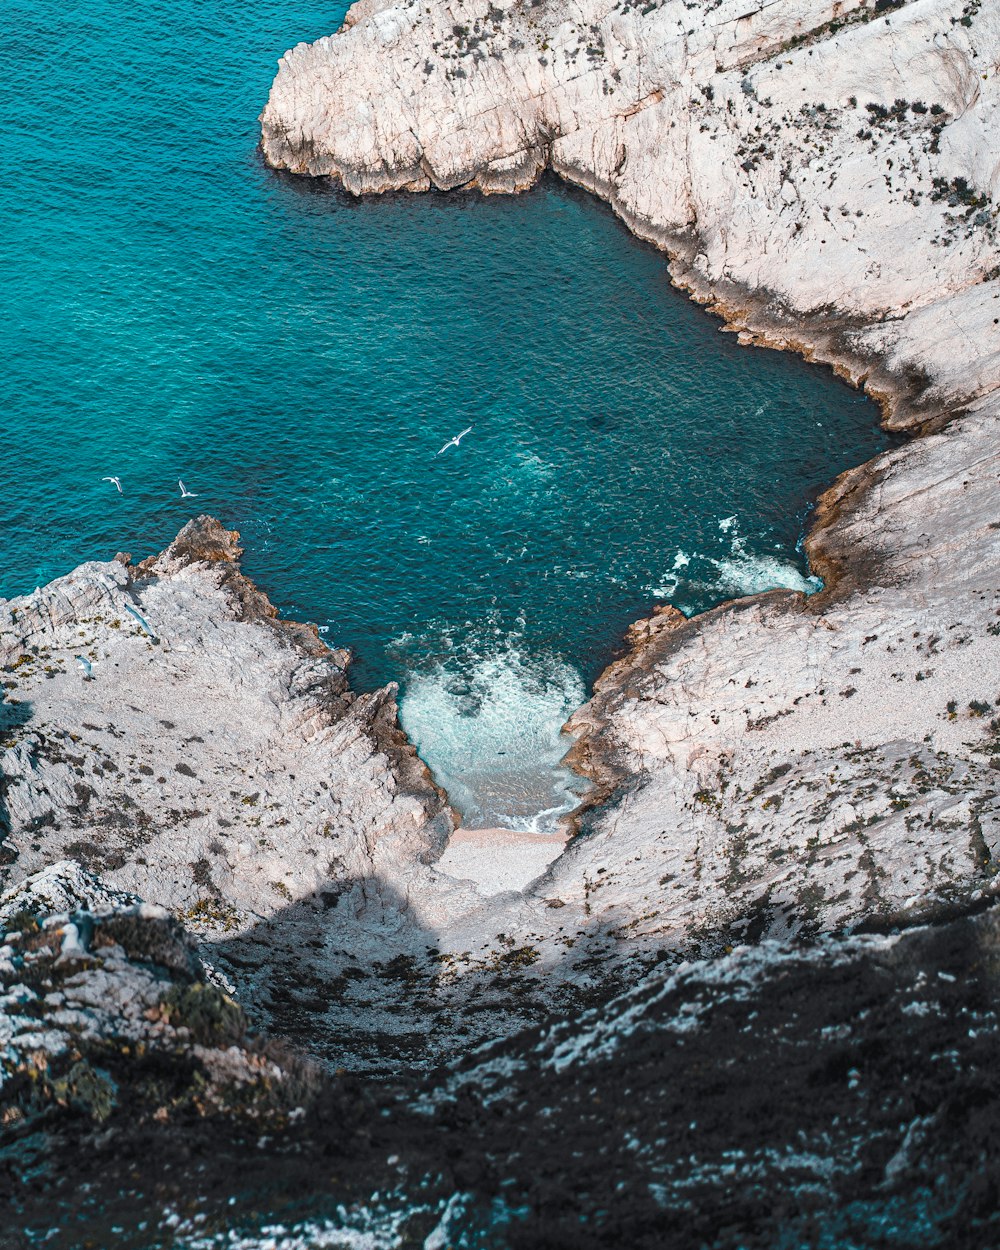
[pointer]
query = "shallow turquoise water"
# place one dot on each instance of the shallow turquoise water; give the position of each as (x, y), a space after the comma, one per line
(177, 311)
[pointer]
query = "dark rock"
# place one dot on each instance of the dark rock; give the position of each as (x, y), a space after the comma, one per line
(839, 1095)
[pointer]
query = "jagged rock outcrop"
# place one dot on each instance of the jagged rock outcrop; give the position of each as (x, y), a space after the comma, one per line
(107, 1016)
(833, 160)
(164, 727)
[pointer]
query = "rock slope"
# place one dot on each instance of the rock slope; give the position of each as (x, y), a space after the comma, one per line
(834, 160)
(773, 1096)
(163, 728)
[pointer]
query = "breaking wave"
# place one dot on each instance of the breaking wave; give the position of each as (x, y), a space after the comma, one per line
(730, 574)
(489, 726)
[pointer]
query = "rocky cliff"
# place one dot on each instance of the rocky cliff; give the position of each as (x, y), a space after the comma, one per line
(777, 767)
(826, 177)
(830, 160)
(162, 727)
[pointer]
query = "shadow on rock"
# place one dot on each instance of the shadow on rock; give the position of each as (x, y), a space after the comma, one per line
(13, 717)
(841, 1094)
(350, 976)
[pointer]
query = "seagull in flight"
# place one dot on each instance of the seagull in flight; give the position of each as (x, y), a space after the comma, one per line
(144, 624)
(453, 442)
(117, 481)
(185, 493)
(85, 664)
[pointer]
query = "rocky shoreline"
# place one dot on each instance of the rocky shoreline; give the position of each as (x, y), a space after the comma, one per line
(772, 779)
(896, 290)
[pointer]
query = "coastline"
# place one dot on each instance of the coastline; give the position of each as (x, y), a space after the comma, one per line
(712, 743)
(735, 149)
(750, 1000)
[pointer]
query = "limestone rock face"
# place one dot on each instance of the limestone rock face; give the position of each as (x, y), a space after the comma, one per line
(748, 1100)
(797, 764)
(826, 176)
(163, 728)
(833, 157)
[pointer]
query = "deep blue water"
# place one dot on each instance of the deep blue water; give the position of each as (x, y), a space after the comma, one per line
(175, 310)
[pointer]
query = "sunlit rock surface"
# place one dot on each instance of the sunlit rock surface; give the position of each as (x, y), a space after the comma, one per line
(837, 159)
(162, 727)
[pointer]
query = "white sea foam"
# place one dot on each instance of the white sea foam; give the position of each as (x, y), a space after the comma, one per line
(489, 728)
(746, 574)
(739, 572)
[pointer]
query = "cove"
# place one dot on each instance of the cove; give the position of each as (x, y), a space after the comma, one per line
(298, 359)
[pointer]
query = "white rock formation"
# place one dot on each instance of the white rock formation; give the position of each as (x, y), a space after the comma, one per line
(825, 175)
(837, 158)
(221, 766)
(208, 757)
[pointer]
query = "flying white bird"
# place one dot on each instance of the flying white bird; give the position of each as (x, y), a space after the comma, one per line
(453, 442)
(185, 493)
(144, 624)
(117, 481)
(85, 664)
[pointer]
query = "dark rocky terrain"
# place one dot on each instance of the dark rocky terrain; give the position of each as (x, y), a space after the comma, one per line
(839, 1094)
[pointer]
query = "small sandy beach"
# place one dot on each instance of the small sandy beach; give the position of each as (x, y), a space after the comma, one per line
(499, 859)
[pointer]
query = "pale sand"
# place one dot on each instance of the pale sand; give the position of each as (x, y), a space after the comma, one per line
(499, 859)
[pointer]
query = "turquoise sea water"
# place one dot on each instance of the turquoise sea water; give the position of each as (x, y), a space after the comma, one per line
(174, 310)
